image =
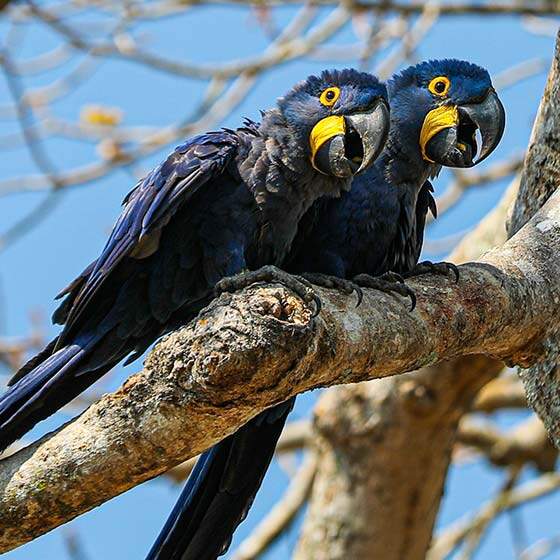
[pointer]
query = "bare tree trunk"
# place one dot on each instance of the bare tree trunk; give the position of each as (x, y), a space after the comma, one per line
(384, 446)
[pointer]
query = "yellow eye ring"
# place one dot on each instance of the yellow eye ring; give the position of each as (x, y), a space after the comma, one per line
(330, 96)
(439, 86)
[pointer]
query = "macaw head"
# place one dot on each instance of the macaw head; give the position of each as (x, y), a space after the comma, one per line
(342, 119)
(441, 105)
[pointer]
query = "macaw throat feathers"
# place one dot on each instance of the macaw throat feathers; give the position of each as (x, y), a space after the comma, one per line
(324, 130)
(445, 116)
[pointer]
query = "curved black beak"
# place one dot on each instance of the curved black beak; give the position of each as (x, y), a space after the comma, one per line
(344, 146)
(456, 145)
(490, 119)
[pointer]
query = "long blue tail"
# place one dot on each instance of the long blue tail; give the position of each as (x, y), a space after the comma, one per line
(220, 490)
(43, 386)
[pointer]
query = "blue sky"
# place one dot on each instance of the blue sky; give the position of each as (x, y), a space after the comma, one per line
(36, 267)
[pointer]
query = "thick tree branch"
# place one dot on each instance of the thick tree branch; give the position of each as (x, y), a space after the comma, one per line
(541, 178)
(541, 173)
(253, 349)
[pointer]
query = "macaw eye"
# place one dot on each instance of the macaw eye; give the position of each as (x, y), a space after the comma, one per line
(329, 96)
(439, 86)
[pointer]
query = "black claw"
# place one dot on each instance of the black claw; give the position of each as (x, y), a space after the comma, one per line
(455, 271)
(221, 287)
(318, 306)
(360, 294)
(412, 297)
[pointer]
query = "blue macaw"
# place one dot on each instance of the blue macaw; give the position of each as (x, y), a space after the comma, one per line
(222, 203)
(437, 109)
(376, 228)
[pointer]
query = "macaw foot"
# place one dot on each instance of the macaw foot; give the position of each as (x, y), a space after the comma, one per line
(269, 273)
(334, 283)
(426, 267)
(390, 283)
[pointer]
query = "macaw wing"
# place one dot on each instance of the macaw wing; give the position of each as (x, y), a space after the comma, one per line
(146, 210)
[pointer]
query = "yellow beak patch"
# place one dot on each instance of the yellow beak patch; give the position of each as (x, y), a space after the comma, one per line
(324, 130)
(437, 120)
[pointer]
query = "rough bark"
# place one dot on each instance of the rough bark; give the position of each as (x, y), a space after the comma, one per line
(541, 178)
(248, 351)
(541, 172)
(389, 497)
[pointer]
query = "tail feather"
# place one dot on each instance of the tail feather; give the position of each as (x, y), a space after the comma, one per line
(19, 402)
(47, 383)
(37, 360)
(221, 490)
(174, 533)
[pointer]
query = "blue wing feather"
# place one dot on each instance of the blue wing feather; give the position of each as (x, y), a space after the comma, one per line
(151, 204)
(107, 313)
